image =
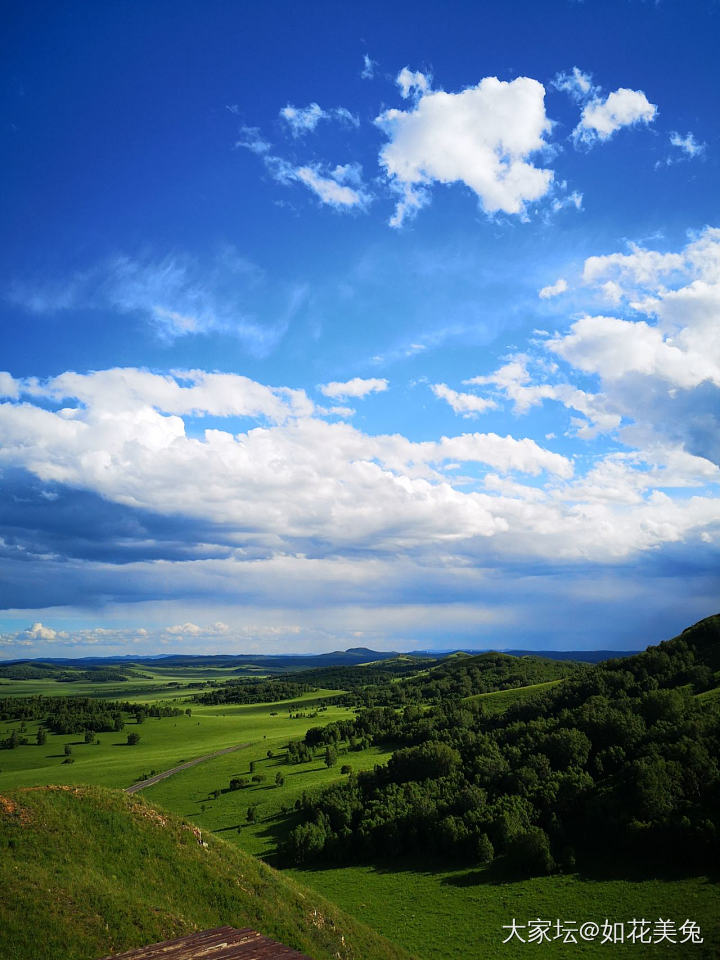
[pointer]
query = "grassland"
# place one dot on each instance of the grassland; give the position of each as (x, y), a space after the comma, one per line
(499, 700)
(86, 871)
(156, 683)
(164, 743)
(456, 914)
(189, 793)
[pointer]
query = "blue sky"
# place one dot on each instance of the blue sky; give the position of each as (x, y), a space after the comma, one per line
(328, 325)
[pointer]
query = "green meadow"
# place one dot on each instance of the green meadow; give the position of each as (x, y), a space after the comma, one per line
(189, 793)
(498, 701)
(155, 683)
(457, 914)
(164, 743)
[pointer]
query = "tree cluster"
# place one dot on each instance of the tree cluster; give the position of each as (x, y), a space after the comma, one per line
(620, 756)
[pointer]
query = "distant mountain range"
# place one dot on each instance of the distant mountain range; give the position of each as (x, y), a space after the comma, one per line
(289, 661)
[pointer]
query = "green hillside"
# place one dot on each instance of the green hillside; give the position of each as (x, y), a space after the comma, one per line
(87, 871)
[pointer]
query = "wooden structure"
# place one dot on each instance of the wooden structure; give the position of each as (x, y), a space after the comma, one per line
(222, 943)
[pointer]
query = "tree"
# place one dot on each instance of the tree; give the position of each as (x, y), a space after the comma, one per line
(89, 736)
(485, 849)
(68, 749)
(279, 779)
(132, 739)
(530, 851)
(41, 736)
(330, 756)
(346, 768)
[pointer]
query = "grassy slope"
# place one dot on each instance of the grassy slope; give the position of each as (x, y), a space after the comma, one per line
(499, 700)
(86, 871)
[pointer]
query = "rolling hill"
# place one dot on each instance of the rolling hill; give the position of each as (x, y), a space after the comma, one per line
(87, 871)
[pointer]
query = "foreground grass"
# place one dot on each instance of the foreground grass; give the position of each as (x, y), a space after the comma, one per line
(86, 871)
(456, 914)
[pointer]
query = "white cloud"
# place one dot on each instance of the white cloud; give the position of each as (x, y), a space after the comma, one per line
(329, 189)
(177, 295)
(368, 70)
(553, 290)
(687, 144)
(357, 387)
(601, 119)
(482, 137)
(577, 84)
(639, 268)
(467, 404)
(251, 139)
(614, 348)
(190, 629)
(331, 186)
(413, 82)
(303, 120)
(9, 386)
(39, 632)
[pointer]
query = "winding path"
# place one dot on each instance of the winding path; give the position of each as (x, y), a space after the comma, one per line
(183, 766)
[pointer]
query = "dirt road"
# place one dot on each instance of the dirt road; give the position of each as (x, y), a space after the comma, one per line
(183, 766)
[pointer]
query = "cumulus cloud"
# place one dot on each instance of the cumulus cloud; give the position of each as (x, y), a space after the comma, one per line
(554, 289)
(277, 496)
(601, 119)
(190, 629)
(467, 404)
(303, 120)
(357, 387)
(483, 137)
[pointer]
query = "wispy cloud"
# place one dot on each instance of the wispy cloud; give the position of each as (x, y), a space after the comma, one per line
(368, 68)
(302, 120)
(177, 295)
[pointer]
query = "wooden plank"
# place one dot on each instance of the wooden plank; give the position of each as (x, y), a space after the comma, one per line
(221, 943)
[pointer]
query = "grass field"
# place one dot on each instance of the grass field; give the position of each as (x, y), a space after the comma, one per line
(499, 700)
(156, 683)
(459, 914)
(188, 793)
(164, 743)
